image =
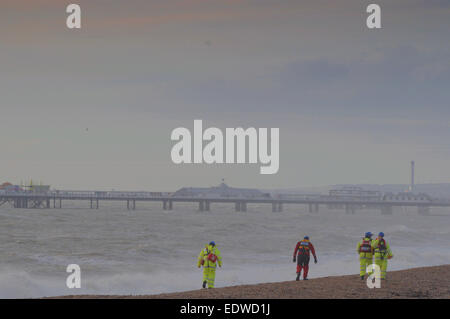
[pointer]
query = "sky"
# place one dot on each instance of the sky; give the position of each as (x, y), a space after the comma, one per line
(94, 108)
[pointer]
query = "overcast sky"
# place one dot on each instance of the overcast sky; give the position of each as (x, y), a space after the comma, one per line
(94, 108)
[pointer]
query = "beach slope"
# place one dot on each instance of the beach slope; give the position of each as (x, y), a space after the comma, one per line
(425, 282)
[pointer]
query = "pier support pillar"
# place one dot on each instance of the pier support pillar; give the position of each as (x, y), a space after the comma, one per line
(54, 203)
(316, 208)
(201, 206)
(237, 206)
(94, 203)
(243, 206)
(423, 210)
(349, 209)
(386, 210)
(170, 205)
(48, 203)
(165, 205)
(207, 205)
(21, 203)
(277, 207)
(131, 204)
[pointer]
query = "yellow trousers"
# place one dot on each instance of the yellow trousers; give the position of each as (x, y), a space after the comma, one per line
(209, 274)
(363, 263)
(382, 263)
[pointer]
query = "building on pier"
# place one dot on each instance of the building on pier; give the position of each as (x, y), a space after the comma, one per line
(354, 192)
(223, 190)
(407, 196)
(39, 189)
(10, 188)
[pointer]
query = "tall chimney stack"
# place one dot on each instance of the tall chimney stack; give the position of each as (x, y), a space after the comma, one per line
(411, 188)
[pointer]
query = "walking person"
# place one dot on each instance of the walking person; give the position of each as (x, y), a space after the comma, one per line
(302, 255)
(382, 253)
(365, 251)
(209, 257)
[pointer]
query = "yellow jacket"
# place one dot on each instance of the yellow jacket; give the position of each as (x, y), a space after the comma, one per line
(379, 252)
(203, 256)
(365, 254)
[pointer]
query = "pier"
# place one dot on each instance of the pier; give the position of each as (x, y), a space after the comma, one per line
(56, 199)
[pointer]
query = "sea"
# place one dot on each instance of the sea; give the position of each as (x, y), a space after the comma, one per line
(152, 251)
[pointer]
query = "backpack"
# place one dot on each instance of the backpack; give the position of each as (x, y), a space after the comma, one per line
(365, 247)
(304, 246)
(212, 257)
(382, 245)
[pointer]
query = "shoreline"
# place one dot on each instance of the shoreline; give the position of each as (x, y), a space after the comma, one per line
(414, 283)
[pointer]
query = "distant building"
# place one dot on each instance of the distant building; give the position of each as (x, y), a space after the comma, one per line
(9, 188)
(353, 192)
(5, 185)
(35, 189)
(223, 190)
(40, 189)
(407, 196)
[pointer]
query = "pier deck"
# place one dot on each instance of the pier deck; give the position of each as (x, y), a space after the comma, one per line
(54, 199)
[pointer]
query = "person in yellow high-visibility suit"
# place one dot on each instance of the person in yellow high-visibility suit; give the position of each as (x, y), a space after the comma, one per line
(365, 251)
(209, 257)
(382, 252)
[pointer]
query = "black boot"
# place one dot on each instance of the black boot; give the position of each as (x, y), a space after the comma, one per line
(305, 278)
(204, 284)
(298, 277)
(362, 277)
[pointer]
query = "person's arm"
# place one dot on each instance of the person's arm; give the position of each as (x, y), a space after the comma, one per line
(358, 247)
(219, 257)
(389, 251)
(200, 258)
(313, 251)
(295, 252)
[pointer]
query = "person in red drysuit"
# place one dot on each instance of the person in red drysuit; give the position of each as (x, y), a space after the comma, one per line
(301, 255)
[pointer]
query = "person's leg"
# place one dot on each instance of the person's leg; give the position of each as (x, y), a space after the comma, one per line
(205, 276)
(212, 277)
(362, 266)
(379, 263)
(299, 267)
(369, 262)
(383, 268)
(305, 267)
